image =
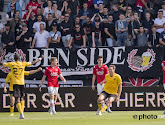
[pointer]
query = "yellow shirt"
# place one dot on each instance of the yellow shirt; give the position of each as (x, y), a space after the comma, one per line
(9, 78)
(17, 70)
(112, 83)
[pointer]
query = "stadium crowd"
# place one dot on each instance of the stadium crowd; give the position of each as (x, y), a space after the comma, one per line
(83, 23)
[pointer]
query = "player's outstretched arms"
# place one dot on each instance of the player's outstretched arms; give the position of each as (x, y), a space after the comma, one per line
(42, 81)
(4, 89)
(119, 92)
(35, 71)
(62, 78)
(37, 60)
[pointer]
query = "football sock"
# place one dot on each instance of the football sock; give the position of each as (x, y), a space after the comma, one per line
(104, 108)
(22, 105)
(52, 104)
(11, 109)
(99, 106)
(19, 108)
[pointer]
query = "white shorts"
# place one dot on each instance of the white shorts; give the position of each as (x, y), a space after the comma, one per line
(53, 90)
(100, 88)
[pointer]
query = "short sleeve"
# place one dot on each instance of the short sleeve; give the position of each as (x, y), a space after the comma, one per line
(162, 64)
(35, 36)
(119, 80)
(83, 33)
(26, 73)
(94, 70)
(161, 36)
(106, 70)
(34, 25)
(7, 64)
(59, 71)
(27, 63)
(59, 34)
(46, 71)
(8, 77)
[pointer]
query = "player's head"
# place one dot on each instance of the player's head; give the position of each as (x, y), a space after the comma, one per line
(100, 60)
(54, 61)
(17, 57)
(112, 68)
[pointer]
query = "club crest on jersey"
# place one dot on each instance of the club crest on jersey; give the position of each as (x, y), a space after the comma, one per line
(141, 63)
(100, 72)
(9, 57)
(53, 73)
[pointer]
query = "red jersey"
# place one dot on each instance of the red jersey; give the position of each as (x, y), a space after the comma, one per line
(34, 6)
(52, 74)
(100, 72)
(163, 64)
(139, 3)
(90, 3)
(25, 15)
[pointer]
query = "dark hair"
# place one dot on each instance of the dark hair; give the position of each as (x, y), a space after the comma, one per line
(100, 57)
(113, 66)
(39, 15)
(17, 57)
(17, 11)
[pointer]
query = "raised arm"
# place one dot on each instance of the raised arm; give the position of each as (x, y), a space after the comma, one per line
(37, 60)
(35, 71)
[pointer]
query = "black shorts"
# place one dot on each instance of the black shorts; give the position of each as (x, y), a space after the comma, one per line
(107, 95)
(18, 90)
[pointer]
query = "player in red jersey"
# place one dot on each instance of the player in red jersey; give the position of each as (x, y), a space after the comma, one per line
(163, 69)
(52, 72)
(99, 72)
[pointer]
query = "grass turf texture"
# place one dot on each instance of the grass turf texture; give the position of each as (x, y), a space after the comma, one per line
(81, 118)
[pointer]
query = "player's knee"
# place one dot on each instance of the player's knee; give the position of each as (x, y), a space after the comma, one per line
(22, 98)
(99, 100)
(51, 96)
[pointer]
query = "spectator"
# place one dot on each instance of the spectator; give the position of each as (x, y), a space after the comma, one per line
(96, 4)
(122, 6)
(50, 22)
(137, 18)
(128, 13)
(141, 8)
(41, 38)
(77, 21)
(110, 31)
(77, 38)
(162, 41)
(57, 13)
(30, 21)
(96, 17)
(66, 27)
(159, 21)
(48, 10)
(74, 6)
(64, 7)
(147, 22)
(36, 25)
(34, 5)
(14, 22)
(141, 36)
(27, 14)
(23, 4)
(132, 4)
(54, 37)
(1, 5)
(133, 24)
(96, 34)
(105, 14)
(1, 30)
(121, 28)
(11, 14)
(163, 8)
(17, 7)
(84, 13)
(116, 12)
(153, 40)
(23, 38)
(18, 27)
(8, 37)
(87, 26)
(39, 12)
(71, 17)
(101, 7)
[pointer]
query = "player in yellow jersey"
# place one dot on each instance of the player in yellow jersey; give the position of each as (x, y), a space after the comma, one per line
(17, 70)
(112, 86)
(12, 99)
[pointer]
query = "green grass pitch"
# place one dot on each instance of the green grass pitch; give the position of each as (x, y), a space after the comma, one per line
(82, 118)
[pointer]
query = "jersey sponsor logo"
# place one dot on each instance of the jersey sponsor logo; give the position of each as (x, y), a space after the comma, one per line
(54, 74)
(141, 63)
(100, 72)
(9, 57)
